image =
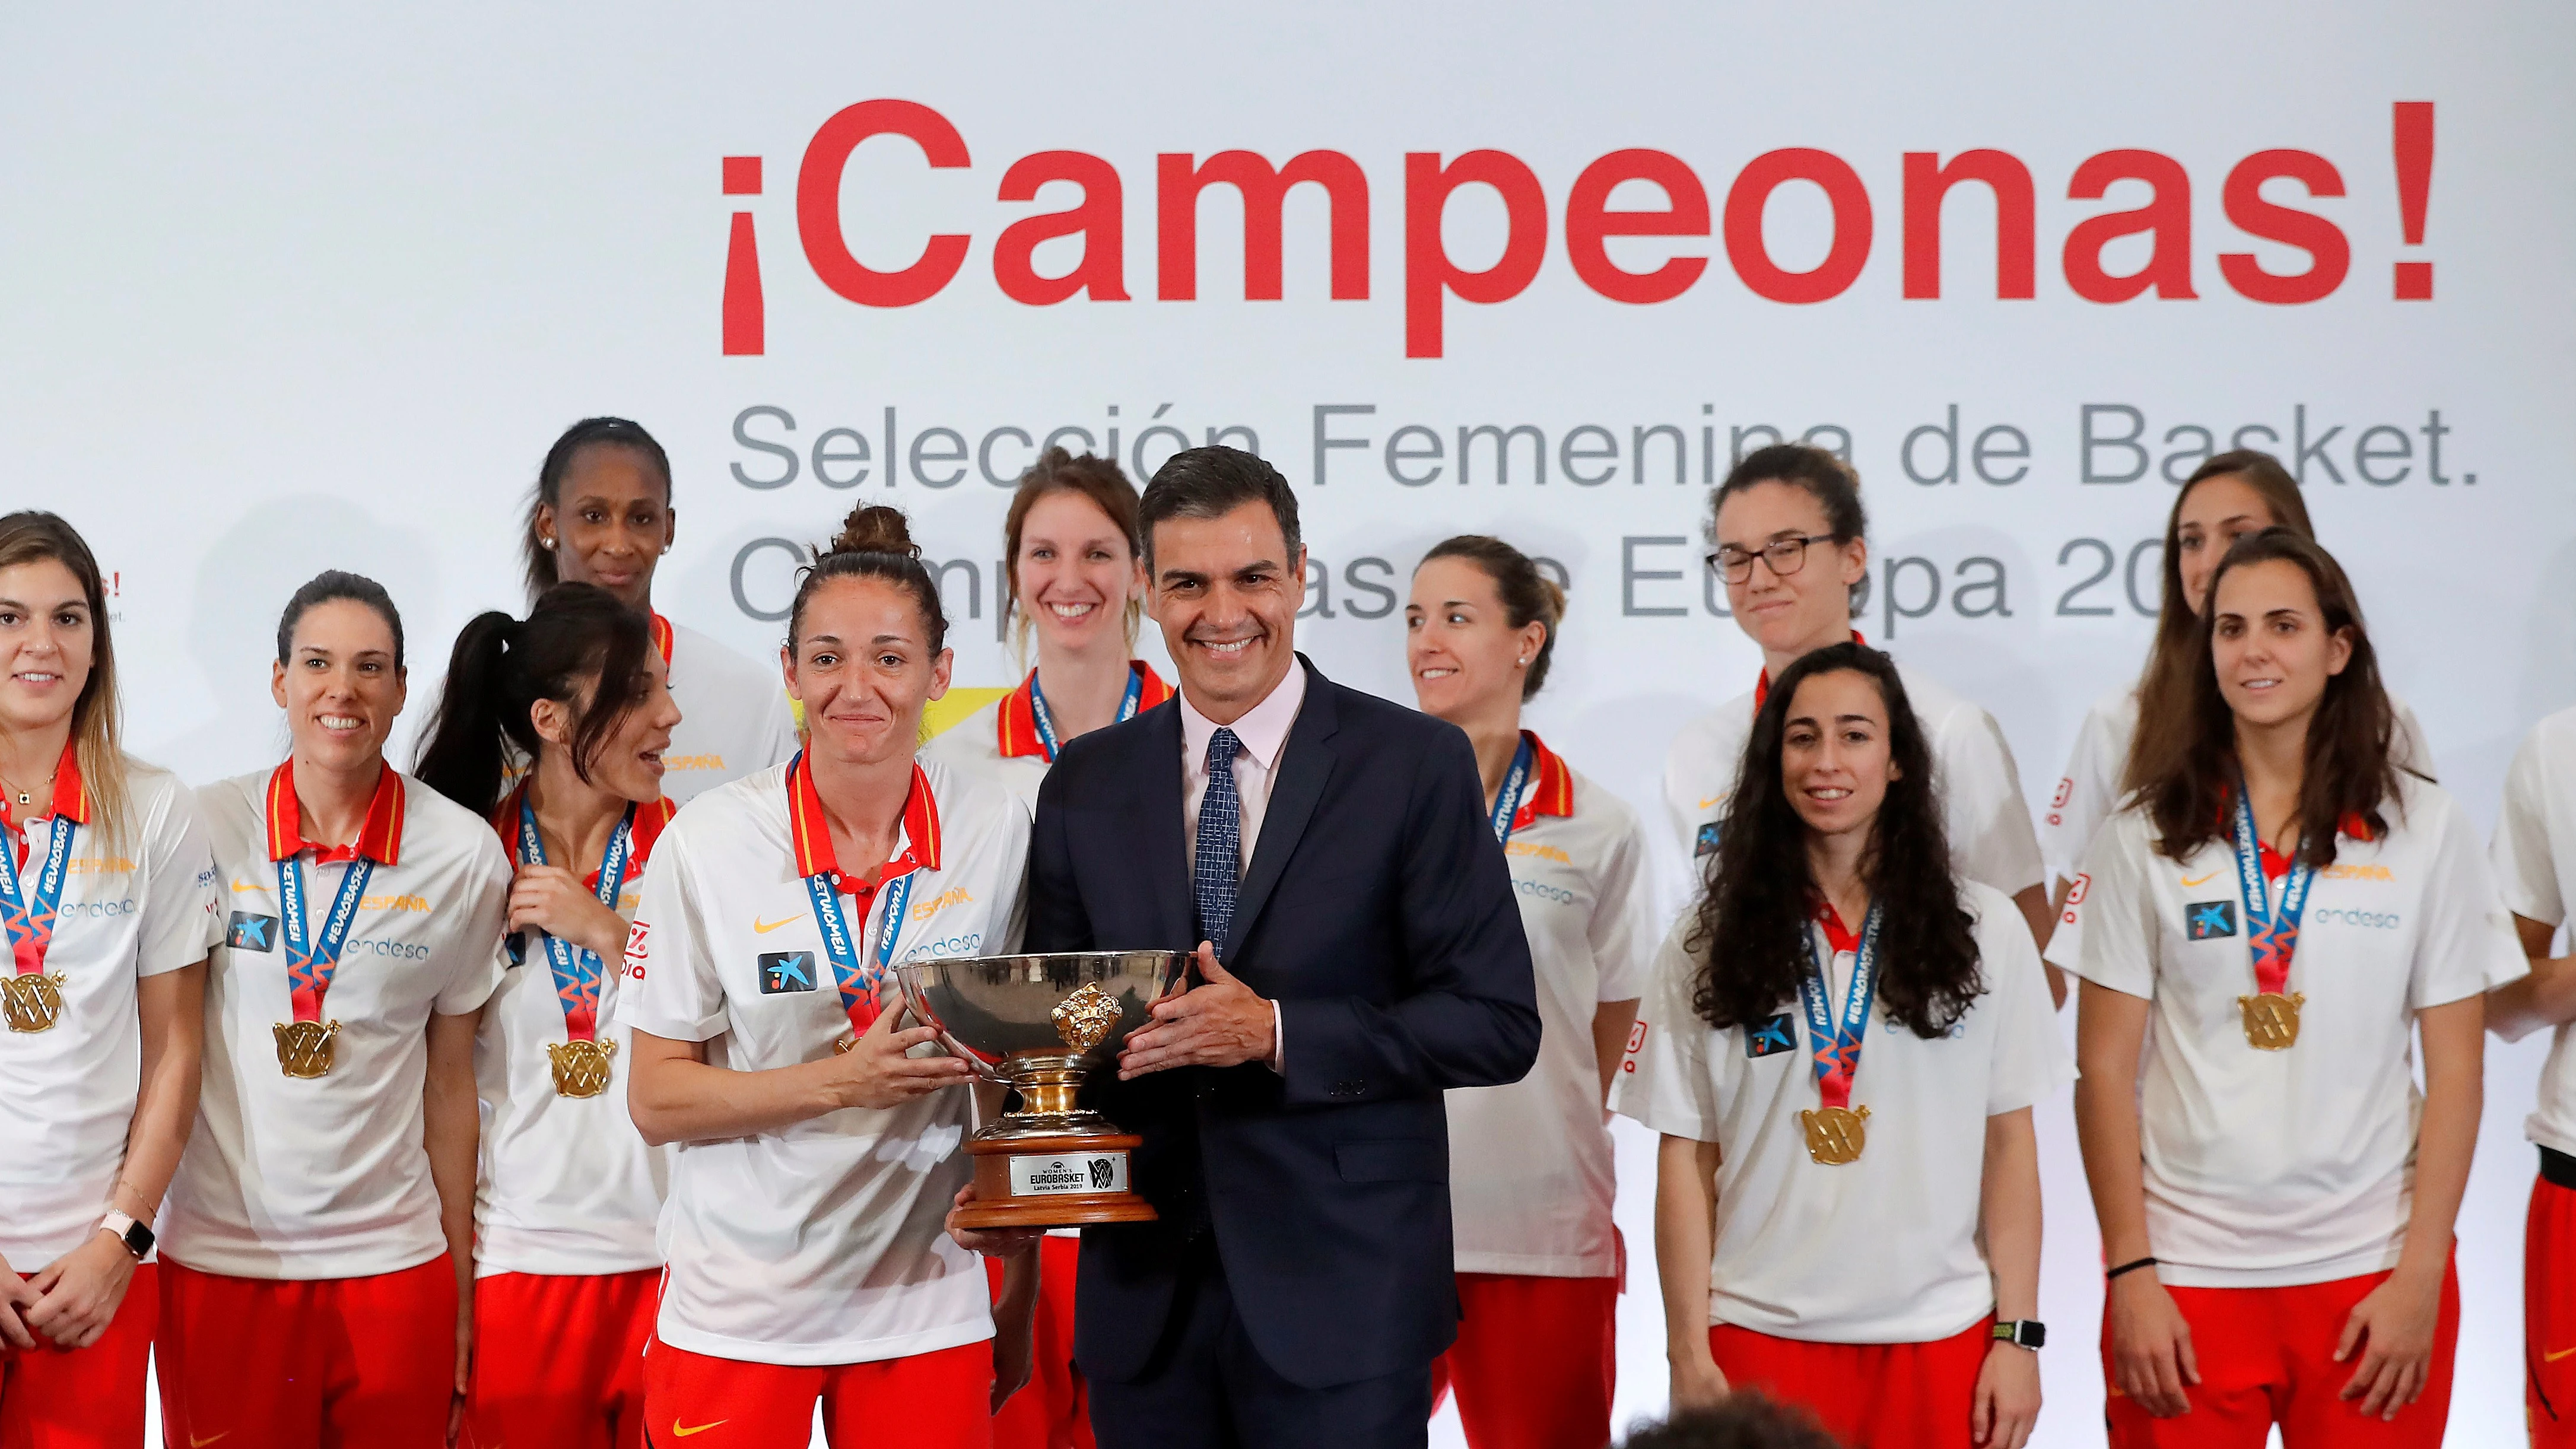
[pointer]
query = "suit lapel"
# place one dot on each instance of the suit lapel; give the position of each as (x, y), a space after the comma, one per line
(1160, 835)
(1305, 766)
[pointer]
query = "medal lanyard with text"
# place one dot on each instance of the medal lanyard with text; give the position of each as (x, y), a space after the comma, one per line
(2271, 930)
(27, 916)
(578, 972)
(1046, 723)
(1507, 801)
(862, 989)
(1835, 1046)
(310, 966)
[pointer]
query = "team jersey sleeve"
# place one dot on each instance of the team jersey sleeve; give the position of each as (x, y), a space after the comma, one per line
(1666, 1086)
(2526, 868)
(672, 989)
(777, 727)
(1681, 789)
(474, 949)
(2107, 932)
(2085, 795)
(1622, 929)
(2413, 750)
(1011, 873)
(2467, 944)
(1991, 839)
(183, 914)
(2030, 1057)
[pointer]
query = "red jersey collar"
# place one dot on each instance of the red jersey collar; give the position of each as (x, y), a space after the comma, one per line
(1839, 937)
(1553, 790)
(1762, 686)
(71, 797)
(379, 840)
(812, 834)
(1015, 723)
(662, 641)
(2275, 864)
(649, 820)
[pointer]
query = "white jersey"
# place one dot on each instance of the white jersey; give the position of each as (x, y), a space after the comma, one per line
(1991, 841)
(567, 1185)
(326, 1177)
(822, 1242)
(2535, 864)
(1530, 1164)
(141, 904)
(734, 719)
(2090, 789)
(1884, 1249)
(2272, 1168)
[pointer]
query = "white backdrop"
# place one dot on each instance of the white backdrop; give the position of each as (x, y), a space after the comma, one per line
(281, 291)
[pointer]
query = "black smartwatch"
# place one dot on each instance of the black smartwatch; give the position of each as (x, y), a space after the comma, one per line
(2022, 1332)
(136, 1237)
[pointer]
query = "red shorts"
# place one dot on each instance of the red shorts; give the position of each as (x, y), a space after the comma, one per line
(1054, 1411)
(83, 1398)
(1883, 1395)
(300, 1362)
(1535, 1361)
(559, 1360)
(2549, 1315)
(2266, 1356)
(937, 1400)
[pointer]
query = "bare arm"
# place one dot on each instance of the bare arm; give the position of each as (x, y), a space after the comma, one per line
(2037, 914)
(2008, 1209)
(452, 1133)
(2151, 1351)
(2545, 998)
(675, 1095)
(1685, 1241)
(1611, 1021)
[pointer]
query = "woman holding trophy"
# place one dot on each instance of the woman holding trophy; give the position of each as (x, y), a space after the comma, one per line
(818, 1156)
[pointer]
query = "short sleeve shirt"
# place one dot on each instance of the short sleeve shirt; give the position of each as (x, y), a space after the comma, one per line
(734, 719)
(2534, 852)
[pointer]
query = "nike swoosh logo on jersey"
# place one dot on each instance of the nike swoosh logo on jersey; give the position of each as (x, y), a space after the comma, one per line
(680, 1431)
(763, 928)
(196, 1443)
(2555, 1357)
(1707, 801)
(2190, 881)
(243, 885)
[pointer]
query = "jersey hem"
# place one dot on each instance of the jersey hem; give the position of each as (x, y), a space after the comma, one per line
(1835, 1331)
(824, 1355)
(1532, 1265)
(2331, 1270)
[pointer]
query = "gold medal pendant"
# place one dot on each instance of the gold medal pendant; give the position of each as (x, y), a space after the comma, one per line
(305, 1049)
(1836, 1135)
(2271, 1020)
(581, 1067)
(32, 1001)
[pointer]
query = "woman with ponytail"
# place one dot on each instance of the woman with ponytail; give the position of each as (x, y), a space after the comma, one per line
(601, 514)
(817, 1156)
(565, 1262)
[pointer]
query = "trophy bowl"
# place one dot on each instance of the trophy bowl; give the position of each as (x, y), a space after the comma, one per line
(1040, 1024)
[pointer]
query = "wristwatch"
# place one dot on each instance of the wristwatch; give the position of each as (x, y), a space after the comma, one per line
(2022, 1332)
(136, 1237)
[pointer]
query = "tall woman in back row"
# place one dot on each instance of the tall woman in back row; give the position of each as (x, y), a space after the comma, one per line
(2262, 935)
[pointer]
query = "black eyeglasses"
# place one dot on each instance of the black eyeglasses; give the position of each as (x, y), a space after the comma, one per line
(1785, 556)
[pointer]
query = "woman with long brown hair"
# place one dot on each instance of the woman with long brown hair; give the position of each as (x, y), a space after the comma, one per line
(2263, 934)
(107, 906)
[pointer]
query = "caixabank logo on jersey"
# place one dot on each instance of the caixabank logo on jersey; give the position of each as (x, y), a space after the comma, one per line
(1578, 216)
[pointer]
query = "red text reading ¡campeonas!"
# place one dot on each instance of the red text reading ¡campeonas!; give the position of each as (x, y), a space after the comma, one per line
(1431, 181)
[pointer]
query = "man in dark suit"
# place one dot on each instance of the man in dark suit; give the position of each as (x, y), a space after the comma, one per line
(1359, 952)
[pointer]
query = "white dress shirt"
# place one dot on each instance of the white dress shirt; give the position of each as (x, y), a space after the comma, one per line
(1263, 729)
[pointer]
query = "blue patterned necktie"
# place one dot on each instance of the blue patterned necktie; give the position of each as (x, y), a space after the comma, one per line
(1217, 870)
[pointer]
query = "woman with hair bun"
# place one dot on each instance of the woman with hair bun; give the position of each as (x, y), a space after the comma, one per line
(107, 907)
(817, 1156)
(318, 1286)
(565, 1260)
(601, 514)
(1531, 1176)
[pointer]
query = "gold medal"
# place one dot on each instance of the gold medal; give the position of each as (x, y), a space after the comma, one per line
(305, 1049)
(581, 1067)
(843, 1047)
(1835, 1135)
(2271, 1019)
(33, 1000)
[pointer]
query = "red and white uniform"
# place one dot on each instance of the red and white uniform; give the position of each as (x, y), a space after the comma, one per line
(564, 1207)
(1531, 1176)
(1002, 742)
(2290, 1169)
(2090, 790)
(309, 1295)
(139, 904)
(1860, 1290)
(810, 1260)
(1991, 841)
(734, 719)
(2534, 852)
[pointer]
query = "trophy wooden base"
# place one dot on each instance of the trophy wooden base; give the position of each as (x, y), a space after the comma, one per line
(1061, 1181)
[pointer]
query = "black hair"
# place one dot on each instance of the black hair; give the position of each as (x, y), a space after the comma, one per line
(874, 543)
(1745, 1419)
(603, 432)
(1528, 596)
(1749, 930)
(502, 666)
(1833, 483)
(329, 586)
(1212, 482)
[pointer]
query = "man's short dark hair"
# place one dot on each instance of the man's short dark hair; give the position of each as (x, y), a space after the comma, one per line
(1746, 1420)
(1212, 482)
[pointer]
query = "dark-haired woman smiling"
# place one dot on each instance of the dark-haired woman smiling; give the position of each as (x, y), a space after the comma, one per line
(1846, 1043)
(2262, 935)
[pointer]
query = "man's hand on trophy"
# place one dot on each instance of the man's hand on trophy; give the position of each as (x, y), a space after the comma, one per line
(874, 1072)
(1222, 1023)
(991, 1242)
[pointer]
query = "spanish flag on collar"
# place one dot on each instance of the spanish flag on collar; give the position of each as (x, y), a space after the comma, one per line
(379, 840)
(1016, 721)
(1551, 791)
(812, 834)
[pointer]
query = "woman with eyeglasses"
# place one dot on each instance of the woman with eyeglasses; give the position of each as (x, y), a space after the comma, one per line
(1788, 537)
(2264, 934)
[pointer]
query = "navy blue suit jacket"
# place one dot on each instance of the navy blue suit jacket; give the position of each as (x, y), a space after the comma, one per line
(1378, 912)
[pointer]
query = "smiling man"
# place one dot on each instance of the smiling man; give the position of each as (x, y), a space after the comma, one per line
(1359, 951)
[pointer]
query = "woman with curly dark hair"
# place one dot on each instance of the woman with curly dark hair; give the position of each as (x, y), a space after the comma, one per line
(1848, 1040)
